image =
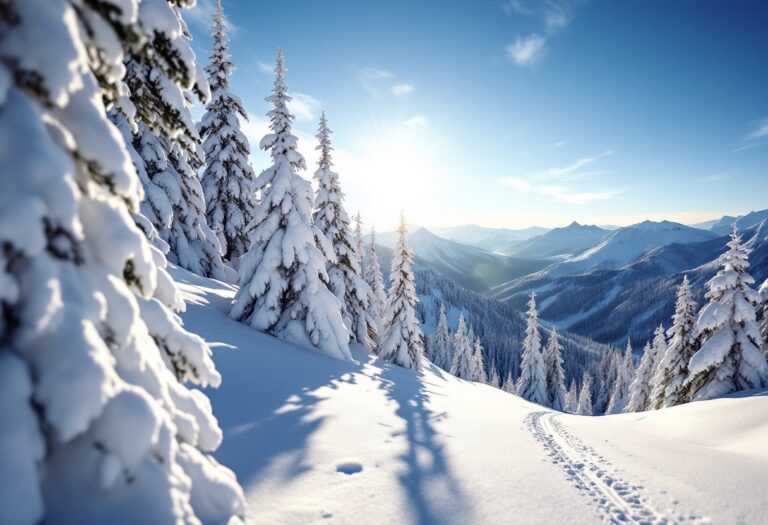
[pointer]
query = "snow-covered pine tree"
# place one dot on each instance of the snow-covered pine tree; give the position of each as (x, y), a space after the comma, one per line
(729, 358)
(161, 76)
(479, 363)
(673, 366)
(659, 350)
(553, 364)
(572, 398)
(359, 246)
(97, 426)
(228, 177)
(330, 217)
(375, 281)
(509, 384)
(640, 389)
(624, 378)
(283, 278)
(585, 396)
(402, 343)
(494, 381)
(463, 362)
(532, 383)
(763, 316)
(442, 346)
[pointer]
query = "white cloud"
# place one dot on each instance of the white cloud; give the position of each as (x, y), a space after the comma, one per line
(402, 89)
(760, 131)
(558, 144)
(526, 51)
(372, 73)
(265, 68)
(716, 177)
(517, 183)
(304, 107)
(566, 194)
(419, 121)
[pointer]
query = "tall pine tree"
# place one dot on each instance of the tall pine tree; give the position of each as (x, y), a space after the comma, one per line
(402, 343)
(330, 217)
(463, 362)
(640, 389)
(228, 180)
(375, 281)
(584, 407)
(480, 376)
(624, 377)
(441, 342)
(729, 358)
(553, 363)
(283, 278)
(532, 383)
(673, 366)
(97, 423)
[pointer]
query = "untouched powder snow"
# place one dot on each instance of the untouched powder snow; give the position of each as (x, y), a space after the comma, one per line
(317, 440)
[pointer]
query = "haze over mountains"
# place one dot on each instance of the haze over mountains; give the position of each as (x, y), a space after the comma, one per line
(600, 283)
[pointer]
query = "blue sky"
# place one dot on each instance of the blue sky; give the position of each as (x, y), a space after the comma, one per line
(519, 113)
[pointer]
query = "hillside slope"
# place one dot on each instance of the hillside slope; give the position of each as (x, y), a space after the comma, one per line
(314, 440)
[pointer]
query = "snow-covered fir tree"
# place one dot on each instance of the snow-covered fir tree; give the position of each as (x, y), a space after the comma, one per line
(442, 346)
(162, 77)
(659, 345)
(402, 342)
(479, 363)
(509, 385)
(584, 407)
(673, 365)
(375, 280)
(359, 245)
(763, 315)
(228, 178)
(463, 361)
(729, 358)
(572, 398)
(283, 278)
(330, 217)
(532, 383)
(640, 389)
(553, 364)
(97, 424)
(494, 381)
(624, 377)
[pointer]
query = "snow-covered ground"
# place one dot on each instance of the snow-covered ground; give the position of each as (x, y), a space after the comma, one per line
(315, 440)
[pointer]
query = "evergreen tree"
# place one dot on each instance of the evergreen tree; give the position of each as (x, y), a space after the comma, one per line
(585, 396)
(509, 384)
(572, 398)
(479, 363)
(375, 281)
(463, 362)
(553, 363)
(228, 178)
(161, 77)
(402, 343)
(283, 278)
(729, 357)
(624, 378)
(442, 348)
(640, 389)
(673, 366)
(359, 249)
(495, 381)
(763, 316)
(96, 419)
(659, 350)
(330, 217)
(532, 383)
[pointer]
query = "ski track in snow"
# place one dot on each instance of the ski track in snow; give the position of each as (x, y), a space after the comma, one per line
(616, 500)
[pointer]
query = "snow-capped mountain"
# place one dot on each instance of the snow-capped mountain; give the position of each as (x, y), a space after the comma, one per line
(743, 222)
(491, 239)
(570, 240)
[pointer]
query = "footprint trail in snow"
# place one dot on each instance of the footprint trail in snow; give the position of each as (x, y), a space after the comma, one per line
(616, 500)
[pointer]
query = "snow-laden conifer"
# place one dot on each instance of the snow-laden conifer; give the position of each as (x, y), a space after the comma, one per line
(624, 377)
(584, 407)
(763, 315)
(509, 385)
(494, 381)
(97, 424)
(228, 178)
(673, 365)
(729, 358)
(283, 278)
(402, 342)
(359, 246)
(572, 398)
(463, 361)
(640, 389)
(480, 375)
(659, 345)
(532, 383)
(553, 364)
(375, 280)
(442, 346)
(344, 274)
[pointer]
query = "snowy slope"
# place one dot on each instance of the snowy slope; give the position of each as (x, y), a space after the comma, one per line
(315, 440)
(569, 240)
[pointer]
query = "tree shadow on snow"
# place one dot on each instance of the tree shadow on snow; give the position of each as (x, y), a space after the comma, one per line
(433, 494)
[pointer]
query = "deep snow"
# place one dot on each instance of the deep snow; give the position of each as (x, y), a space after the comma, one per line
(316, 440)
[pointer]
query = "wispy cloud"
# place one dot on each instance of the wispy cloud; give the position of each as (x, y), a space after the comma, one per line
(717, 177)
(558, 144)
(200, 16)
(419, 121)
(304, 107)
(554, 15)
(370, 78)
(265, 68)
(760, 130)
(755, 138)
(403, 88)
(562, 183)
